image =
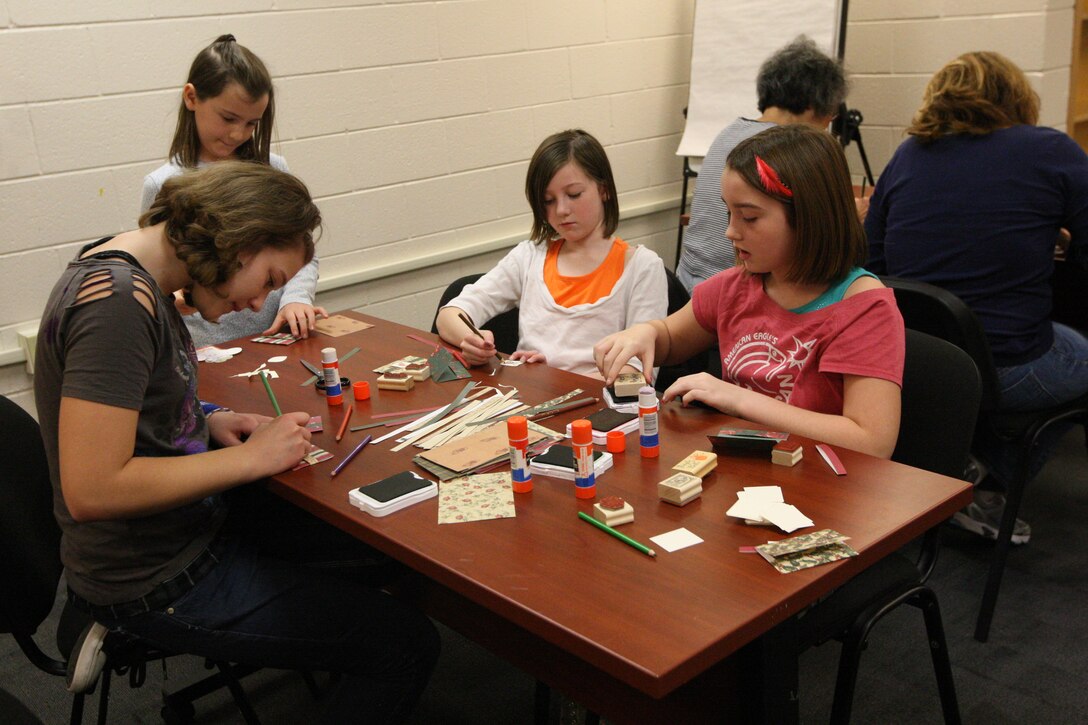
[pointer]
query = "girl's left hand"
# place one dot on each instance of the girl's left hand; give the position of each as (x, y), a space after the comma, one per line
(529, 356)
(299, 316)
(228, 428)
(707, 389)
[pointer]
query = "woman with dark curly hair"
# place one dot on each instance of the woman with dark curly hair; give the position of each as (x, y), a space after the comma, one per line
(974, 202)
(139, 465)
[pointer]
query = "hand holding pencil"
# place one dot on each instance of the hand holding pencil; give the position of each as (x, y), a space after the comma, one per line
(474, 352)
(279, 444)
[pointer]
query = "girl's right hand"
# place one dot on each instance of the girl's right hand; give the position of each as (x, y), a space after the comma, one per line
(615, 351)
(478, 349)
(279, 444)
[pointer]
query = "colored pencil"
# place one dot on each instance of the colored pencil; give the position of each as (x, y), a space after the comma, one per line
(625, 539)
(563, 407)
(348, 457)
(475, 331)
(271, 395)
(344, 423)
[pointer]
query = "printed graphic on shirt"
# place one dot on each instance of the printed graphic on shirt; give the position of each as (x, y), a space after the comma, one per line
(757, 362)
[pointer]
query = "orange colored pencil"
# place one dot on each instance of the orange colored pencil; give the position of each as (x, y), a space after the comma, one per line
(344, 423)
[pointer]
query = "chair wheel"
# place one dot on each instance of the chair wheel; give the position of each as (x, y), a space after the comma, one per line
(179, 714)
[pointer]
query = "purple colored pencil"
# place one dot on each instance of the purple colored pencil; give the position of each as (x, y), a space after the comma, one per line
(348, 457)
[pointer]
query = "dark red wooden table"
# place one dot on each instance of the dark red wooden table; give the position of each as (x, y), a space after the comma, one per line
(632, 637)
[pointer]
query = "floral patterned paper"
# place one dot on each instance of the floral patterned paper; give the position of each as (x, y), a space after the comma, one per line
(476, 498)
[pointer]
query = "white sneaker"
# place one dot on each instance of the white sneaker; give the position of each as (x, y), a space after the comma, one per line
(983, 517)
(87, 659)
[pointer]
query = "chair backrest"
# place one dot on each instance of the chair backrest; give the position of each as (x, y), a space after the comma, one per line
(937, 312)
(941, 394)
(678, 294)
(504, 325)
(30, 565)
(666, 376)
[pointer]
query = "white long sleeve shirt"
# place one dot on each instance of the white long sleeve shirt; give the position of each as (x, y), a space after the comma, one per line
(566, 335)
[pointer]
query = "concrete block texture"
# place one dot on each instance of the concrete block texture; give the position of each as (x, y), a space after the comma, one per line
(413, 122)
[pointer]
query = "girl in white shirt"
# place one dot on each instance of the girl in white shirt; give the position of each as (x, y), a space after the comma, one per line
(227, 111)
(572, 281)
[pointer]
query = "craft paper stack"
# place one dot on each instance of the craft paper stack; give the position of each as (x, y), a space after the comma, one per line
(485, 450)
(763, 505)
(803, 552)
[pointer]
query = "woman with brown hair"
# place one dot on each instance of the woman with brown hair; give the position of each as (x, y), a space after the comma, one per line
(974, 202)
(140, 467)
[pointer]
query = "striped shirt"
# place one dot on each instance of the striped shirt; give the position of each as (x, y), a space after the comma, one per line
(705, 250)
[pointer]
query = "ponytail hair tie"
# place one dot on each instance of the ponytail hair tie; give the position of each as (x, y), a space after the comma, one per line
(769, 178)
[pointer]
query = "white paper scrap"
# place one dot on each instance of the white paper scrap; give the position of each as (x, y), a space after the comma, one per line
(675, 540)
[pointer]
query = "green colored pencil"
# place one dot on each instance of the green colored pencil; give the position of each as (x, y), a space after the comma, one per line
(625, 539)
(271, 395)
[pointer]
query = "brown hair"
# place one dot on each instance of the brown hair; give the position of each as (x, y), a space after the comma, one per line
(216, 213)
(214, 68)
(976, 93)
(554, 153)
(829, 238)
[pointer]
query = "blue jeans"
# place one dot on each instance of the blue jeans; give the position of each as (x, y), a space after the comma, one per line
(1060, 375)
(264, 611)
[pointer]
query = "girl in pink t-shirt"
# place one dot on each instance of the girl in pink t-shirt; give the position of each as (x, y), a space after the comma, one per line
(809, 342)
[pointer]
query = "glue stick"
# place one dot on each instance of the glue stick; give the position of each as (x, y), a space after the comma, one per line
(648, 443)
(330, 366)
(581, 436)
(517, 428)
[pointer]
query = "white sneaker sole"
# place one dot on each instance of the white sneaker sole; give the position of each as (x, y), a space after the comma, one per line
(983, 529)
(87, 659)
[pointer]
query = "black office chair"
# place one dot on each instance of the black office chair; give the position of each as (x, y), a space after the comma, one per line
(504, 325)
(31, 568)
(940, 313)
(941, 393)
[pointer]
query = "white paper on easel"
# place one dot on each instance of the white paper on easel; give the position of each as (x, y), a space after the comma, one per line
(729, 43)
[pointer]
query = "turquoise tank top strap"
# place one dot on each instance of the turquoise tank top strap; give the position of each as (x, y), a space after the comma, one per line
(834, 293)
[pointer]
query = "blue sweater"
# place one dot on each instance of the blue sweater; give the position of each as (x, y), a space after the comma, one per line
(979, 216)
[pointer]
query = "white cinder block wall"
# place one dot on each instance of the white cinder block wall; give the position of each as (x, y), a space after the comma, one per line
(893, 47)
(412, 122)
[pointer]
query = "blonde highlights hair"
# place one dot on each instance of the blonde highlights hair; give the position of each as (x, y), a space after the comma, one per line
(975, 94)
(230, 208)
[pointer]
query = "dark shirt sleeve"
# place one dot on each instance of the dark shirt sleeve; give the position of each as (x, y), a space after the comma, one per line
(110, 350)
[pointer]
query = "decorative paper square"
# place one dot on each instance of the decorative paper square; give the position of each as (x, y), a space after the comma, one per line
(676, 539)
(339, 325)
(280, 338)
(475, 498)
(316, 455)
(809, 550)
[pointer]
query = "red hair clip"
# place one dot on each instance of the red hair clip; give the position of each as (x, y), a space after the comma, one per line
(769, 178)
